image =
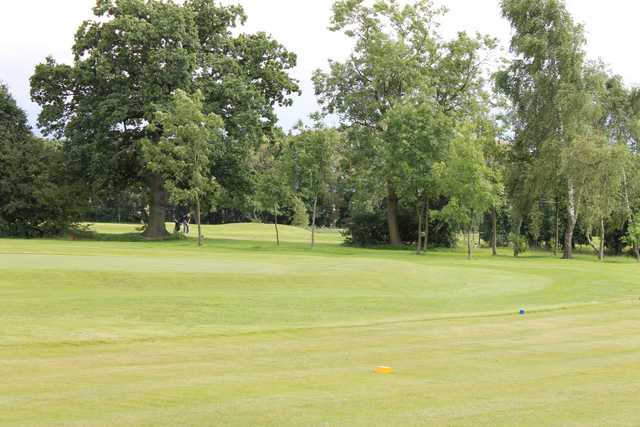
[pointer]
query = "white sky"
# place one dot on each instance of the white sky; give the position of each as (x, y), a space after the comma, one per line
(32, 29)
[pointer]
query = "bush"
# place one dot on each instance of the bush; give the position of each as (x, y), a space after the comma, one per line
(519, 243)
(35, 199)
(371, 229)
(367, 229)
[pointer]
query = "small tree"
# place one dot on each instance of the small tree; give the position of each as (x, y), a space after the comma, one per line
(300, 216)
(536, 218)
(418, 136)
(594, 167)
(272, 187)
(310, 158)
(183, 156)
(468, 182)
(495, 153)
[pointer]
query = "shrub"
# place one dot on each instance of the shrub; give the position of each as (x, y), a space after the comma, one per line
(519, 243)
(371, 229)
(367, 229)
(35, 198)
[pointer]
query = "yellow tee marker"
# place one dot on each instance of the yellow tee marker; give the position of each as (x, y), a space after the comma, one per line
(383, 370)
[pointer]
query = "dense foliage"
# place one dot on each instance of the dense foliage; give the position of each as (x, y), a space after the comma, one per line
(129, 61)
(370, 228)
(168, 108)
(35, 199)
(399, 94)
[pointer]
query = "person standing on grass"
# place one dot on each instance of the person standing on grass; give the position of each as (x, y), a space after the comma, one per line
(186, 220)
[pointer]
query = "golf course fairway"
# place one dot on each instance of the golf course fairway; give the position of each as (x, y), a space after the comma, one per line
(243, 333)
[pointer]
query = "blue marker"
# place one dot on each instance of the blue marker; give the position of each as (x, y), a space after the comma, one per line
(522, 312)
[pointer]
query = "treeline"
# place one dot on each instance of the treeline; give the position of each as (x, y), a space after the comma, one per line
(168, 108)
(36, 194)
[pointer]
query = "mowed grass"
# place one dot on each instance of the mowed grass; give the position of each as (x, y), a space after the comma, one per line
(242, 333)
(252, 232)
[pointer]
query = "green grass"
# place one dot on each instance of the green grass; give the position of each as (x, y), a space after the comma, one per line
(252, 232)
(239, 332)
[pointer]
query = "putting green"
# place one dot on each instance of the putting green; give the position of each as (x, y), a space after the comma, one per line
(240, 332)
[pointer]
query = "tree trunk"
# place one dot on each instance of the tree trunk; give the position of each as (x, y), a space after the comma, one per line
(572, 219)
(426, 226)
(636, 247)
(275, 223)
(626, 195)
(557, 242)
(392, 216)
(313, 222)
(469, 242)
(516, 232)
(419, 244)
(494, 232)
(568, 240)
(198, 221)
(156, 228)
(601, 251)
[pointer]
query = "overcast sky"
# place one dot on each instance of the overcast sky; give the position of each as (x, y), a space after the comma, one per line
(32, 29)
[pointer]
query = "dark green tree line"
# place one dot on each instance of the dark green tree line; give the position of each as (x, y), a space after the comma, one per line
(36, 196)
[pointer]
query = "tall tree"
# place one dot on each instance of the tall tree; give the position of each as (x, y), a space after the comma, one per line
(491, 129)
(130, 59)
(397, 52)
(546, 88)
(495, 161)
(619, 120)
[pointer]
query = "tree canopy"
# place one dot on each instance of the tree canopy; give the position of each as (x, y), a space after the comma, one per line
(169, 106)
(36, 198)
(398, 54)
(128, 63)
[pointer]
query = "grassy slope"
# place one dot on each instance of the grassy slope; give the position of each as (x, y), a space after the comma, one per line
(242, 333)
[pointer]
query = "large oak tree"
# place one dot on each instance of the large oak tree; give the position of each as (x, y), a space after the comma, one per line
(129, 60)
